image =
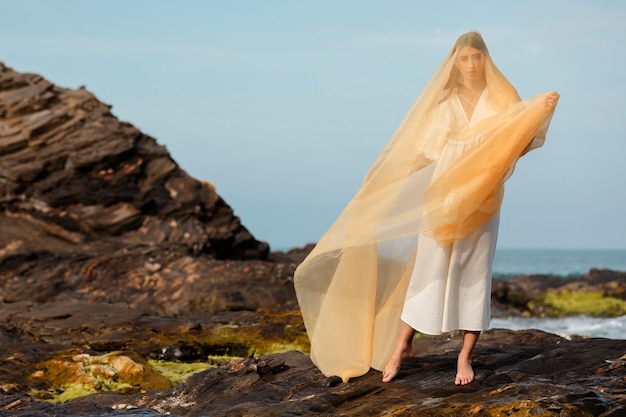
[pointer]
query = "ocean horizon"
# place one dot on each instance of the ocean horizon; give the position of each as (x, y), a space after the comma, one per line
(557, 262)
(510, 262)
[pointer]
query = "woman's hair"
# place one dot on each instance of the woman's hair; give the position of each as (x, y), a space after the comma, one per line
(471, 39)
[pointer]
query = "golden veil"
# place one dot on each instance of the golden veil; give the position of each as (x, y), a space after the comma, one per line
(351, 287)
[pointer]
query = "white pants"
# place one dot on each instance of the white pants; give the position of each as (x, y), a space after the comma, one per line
(450, 286)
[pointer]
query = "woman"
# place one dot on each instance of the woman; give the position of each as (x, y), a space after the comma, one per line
(413, 249)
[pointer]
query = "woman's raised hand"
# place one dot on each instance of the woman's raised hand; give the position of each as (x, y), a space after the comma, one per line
(552, 98)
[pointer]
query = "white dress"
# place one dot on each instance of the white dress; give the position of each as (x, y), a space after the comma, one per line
(450, 286)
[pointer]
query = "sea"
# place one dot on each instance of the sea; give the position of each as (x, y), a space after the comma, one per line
(562, 263)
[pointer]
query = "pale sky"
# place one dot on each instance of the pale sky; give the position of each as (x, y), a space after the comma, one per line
(283, 105)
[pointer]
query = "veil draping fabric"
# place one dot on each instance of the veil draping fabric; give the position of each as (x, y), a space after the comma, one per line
(352, 286)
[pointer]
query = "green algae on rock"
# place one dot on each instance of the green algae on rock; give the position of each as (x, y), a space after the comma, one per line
(274, 333)
(565, 303)
(72, 376)
(600, 293)
(178, 371)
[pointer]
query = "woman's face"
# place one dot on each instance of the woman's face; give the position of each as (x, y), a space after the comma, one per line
(471, 64)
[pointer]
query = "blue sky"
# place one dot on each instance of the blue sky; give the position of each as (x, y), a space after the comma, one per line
(283, 105)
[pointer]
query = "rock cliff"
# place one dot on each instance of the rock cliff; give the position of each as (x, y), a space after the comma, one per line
(75, 181)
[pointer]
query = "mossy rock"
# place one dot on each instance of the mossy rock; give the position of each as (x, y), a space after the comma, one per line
(70, 374)
(566, 303)
(175, 372)
(74, 376)
(275, 333)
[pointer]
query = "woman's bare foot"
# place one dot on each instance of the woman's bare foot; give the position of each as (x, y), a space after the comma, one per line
(392, 367)
(464, 372)
(402, 350)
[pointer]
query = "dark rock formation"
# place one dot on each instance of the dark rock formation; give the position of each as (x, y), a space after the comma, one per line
(525, 372)
(40, 341)
(167, 282)
(74, 179)
(522, 373)
(93, 209)
(106, 242)
(534, 295)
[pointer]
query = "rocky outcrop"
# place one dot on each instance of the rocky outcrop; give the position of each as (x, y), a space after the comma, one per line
(75, 180)
(599, 292)
(111, 255)
(92, 209)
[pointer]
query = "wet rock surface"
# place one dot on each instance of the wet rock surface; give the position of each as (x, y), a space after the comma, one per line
(113, 260)
(519, 373)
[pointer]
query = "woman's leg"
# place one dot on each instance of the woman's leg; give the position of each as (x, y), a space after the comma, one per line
(402, 351)
(464, 371)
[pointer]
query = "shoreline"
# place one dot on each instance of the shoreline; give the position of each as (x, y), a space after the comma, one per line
(568, 327)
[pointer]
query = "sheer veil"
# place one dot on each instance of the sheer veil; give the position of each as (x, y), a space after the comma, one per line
(351, 287)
